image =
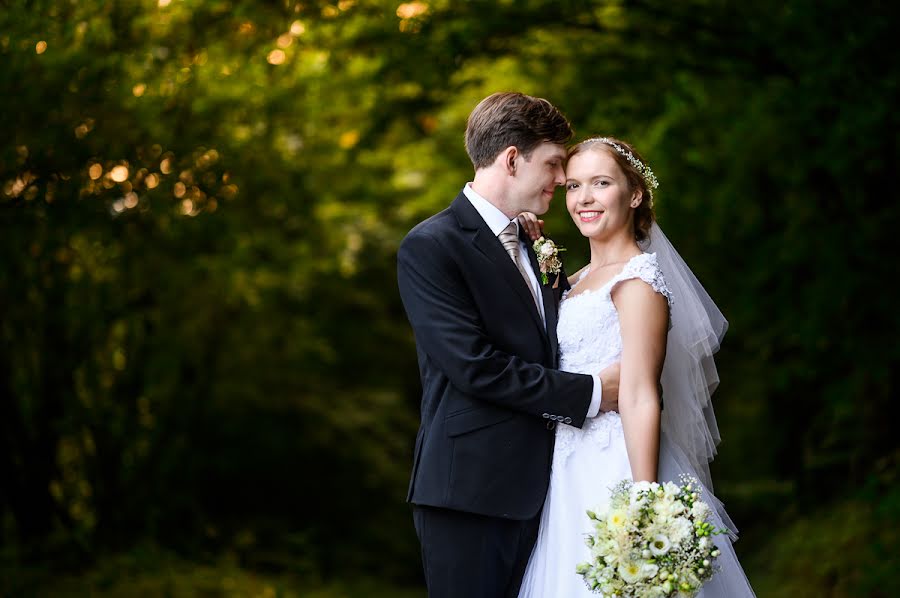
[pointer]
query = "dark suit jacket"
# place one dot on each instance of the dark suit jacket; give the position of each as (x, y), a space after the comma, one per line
(486, 361)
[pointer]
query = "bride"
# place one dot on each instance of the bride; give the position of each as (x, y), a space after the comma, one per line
(638, 303)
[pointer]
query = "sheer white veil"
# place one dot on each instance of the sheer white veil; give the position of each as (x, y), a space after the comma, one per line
(689, 374)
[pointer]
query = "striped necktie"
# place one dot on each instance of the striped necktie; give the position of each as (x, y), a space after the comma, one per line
(509, 237)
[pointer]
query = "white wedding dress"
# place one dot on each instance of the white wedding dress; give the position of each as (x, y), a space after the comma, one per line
(589, 461)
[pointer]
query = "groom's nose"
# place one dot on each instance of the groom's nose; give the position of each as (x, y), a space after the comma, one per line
(559, 177)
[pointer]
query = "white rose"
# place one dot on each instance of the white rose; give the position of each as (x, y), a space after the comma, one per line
(680, 529)
(547, 250)
(663, 508)
(649, 570)
(642, 486)
(671, 490)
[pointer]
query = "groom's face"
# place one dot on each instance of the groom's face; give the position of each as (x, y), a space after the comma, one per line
(537, 177)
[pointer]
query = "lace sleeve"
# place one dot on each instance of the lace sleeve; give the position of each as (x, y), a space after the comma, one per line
(646, 267)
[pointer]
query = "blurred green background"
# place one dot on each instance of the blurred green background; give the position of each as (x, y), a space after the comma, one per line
(207, 383)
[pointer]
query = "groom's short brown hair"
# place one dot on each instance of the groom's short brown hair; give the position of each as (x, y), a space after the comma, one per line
(508, 118)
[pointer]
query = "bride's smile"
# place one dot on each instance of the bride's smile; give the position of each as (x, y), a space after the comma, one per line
(589, 216)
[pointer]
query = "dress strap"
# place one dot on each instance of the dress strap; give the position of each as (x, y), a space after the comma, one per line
(584, 272)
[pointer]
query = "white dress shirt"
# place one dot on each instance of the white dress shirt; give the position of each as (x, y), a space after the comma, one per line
(497, 222)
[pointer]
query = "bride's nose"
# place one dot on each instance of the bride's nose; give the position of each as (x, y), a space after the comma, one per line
(584, 196)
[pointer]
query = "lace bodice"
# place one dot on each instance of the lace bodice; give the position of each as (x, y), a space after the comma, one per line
(590, 339)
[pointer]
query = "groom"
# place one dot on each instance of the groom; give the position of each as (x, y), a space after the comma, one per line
(485, 331)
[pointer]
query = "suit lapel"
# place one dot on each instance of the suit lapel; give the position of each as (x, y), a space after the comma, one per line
(548, 299)
(490, 246)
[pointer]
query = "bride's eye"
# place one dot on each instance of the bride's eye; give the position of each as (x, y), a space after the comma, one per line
(571, 186)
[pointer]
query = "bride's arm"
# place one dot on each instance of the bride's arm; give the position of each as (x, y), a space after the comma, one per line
(531, 224)
(643, 319)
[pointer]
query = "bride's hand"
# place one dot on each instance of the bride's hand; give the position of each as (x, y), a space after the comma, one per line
(534, 227)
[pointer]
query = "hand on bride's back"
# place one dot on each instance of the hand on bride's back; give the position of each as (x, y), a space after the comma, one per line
(609, 377)
(534, 227)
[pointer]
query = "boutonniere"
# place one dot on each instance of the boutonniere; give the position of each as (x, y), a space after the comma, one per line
(547, 253)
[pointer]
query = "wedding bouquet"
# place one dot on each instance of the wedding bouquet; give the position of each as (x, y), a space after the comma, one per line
(651, 541)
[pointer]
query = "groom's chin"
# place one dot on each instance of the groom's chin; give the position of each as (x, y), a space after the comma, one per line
(542, 208)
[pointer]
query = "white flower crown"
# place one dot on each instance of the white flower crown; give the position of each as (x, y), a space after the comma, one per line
(643, 169)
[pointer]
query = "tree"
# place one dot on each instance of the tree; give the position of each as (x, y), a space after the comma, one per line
(201, 201)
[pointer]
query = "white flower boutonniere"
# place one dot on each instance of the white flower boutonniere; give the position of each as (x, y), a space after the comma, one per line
(547, 253)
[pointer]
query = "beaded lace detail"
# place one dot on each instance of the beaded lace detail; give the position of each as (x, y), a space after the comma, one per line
(590, 339)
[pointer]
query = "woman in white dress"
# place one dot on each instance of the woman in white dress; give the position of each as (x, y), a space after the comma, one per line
(637, 303)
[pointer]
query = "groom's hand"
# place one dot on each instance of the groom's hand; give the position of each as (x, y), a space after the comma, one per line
(609, 401)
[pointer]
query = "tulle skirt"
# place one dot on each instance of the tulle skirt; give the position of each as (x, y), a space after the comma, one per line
(587, 464)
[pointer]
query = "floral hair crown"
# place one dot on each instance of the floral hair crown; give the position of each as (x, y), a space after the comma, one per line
(643, 169)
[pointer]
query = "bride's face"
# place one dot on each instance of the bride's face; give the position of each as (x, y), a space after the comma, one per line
(598, 196)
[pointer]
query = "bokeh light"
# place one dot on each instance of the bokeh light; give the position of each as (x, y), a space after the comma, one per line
(348, 139)
(276, 57)
(297, 28)
(411, 10)
(119, 173)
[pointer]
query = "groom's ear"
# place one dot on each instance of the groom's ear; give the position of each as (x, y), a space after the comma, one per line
(508, 156)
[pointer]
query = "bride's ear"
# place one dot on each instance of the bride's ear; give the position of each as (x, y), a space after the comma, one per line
(637, 198)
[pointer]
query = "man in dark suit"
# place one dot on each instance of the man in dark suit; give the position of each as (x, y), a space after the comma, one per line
(485, 331)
